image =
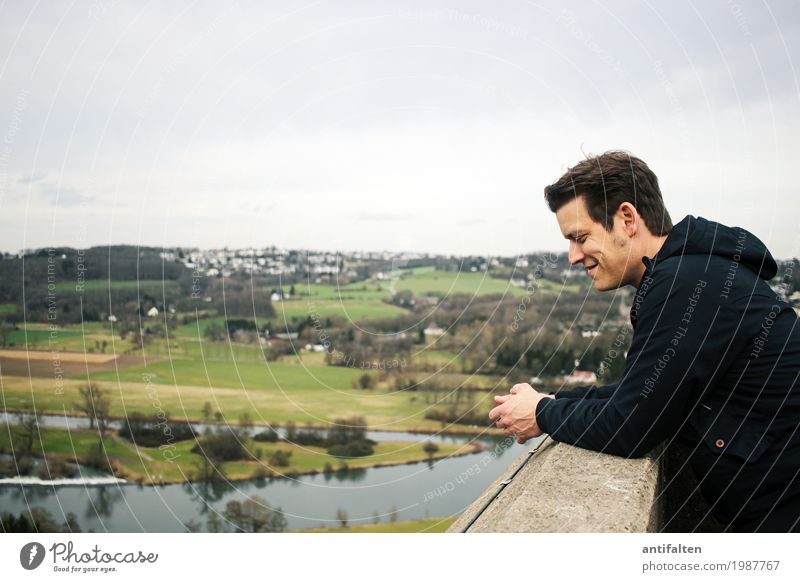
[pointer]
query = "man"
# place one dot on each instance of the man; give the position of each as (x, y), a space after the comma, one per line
(715, 354)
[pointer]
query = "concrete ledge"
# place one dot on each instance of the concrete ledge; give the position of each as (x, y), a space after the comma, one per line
(568, 489)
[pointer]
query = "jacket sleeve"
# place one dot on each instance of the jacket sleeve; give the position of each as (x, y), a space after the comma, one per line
(587, 392)
(682, 335)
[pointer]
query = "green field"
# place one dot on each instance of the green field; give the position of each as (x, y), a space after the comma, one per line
(354, 291)
(351, 309)
(273, 376)
(37, 337)
(7, 308)
(434, 525)
(427, 281)
(94, 284)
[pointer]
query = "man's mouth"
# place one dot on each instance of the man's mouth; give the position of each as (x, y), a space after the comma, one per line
(590, 270)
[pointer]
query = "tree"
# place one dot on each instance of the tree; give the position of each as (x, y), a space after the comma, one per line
(280, 458)
(366, 381)
(206, 412)
(245, 425)
(431, 449)
(214, 332)
(95, 404)
(28, 420)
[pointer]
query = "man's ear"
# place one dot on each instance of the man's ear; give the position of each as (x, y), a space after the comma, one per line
(629, 218)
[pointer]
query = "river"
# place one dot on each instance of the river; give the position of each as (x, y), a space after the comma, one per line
(426, 489)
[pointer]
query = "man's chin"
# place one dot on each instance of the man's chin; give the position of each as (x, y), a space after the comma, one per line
(600, 284)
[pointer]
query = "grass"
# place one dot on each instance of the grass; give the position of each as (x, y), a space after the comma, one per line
(196, 328)
(351, 309)
(427, 280)
(152, 465)
(203, 350)
(434, 525)
(301, 399)
(353, 291)
(273, 376)
(94, 284)
(37, 337)
(7, 308)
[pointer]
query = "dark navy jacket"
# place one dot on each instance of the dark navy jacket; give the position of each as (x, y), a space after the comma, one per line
(714, 361)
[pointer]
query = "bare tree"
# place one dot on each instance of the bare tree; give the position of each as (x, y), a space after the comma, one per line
(245, 425)
(95, 404)
(206, 412)
(28, 420)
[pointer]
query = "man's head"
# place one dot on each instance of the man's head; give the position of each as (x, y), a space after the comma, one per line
(610, 209)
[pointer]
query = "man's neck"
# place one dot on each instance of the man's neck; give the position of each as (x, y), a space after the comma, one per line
(654, 246)
(651, 249)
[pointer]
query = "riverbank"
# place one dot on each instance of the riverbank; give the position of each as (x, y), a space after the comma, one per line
(178, 464)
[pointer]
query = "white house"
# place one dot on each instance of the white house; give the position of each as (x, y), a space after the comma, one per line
(152, 312)
(581, 377)
(433, 331)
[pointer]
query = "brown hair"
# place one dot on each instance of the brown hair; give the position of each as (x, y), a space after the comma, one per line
(605, 182)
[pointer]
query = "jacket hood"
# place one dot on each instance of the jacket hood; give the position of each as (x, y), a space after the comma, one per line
(698, 236)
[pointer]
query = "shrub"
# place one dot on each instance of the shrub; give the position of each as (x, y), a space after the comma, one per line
(361, 448)
(224, 446)
(270, 435)
(280, 458)
(152, 431)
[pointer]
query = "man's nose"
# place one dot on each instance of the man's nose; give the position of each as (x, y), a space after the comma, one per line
(575, 253)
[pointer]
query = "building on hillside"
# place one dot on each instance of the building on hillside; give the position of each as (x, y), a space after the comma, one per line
(433, 331)
(590, 332)
(581, 377)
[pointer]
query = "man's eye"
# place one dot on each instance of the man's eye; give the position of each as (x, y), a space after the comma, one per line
(581, 240)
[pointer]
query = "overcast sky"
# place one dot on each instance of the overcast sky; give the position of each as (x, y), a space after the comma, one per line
(421, 126)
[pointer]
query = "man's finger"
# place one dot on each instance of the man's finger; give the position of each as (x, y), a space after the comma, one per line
(514, 389)
(502, 398)
(494, 413)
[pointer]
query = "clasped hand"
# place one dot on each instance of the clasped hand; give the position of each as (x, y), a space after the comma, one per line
(516, 412)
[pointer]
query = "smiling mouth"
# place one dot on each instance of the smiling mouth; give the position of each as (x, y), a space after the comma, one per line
(589, 270)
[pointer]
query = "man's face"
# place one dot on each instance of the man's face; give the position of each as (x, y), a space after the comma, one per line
(606, 255)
